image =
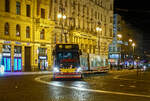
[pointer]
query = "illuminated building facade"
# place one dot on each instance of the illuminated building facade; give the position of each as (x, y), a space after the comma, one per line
(29, 29)
(121, 50)
(77, 22)
(25, 34)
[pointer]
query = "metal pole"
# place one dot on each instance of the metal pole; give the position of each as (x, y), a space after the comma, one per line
(62, 33)
(133, 56)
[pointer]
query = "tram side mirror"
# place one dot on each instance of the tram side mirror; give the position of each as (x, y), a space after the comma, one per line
(54, 53)
(80, 52)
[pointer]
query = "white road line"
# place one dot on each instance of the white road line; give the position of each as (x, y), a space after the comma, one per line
(121, 85)
(132, 86)
(38, 79)
(135, 80)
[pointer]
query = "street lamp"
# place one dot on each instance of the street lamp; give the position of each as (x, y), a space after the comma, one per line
(130, 40)
(119, 37)
(98, 29)
(133, 45)
(59, 16)
(63, 17)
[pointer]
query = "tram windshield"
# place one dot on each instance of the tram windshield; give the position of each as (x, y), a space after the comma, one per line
(68, 58)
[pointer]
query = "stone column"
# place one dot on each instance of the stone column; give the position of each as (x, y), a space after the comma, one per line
(12, 58)
(23, 52)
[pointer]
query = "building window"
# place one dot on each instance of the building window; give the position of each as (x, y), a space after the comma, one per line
(7, 5)
(6, 29)
(42, 34)
(28, 10)
(27, 32)
(18, 8)
(42, 51)
(17, 30)
(42, 13)
(111, 33)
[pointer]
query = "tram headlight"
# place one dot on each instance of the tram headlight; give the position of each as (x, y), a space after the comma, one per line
(79, 69)
(55, 69)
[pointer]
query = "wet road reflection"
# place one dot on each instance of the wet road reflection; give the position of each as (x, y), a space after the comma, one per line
(82, 90)
(41, 88)
(60, 93)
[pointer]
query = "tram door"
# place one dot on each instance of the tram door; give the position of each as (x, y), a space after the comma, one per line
(6, 58)
(17, 58)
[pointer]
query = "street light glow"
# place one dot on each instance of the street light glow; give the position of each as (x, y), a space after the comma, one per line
(64, 17)
(133, 44)
(98, 29)
(130, 40)
(59, 16)
(119, 35)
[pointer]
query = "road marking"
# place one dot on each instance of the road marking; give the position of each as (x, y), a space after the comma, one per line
(132, 86)
(135, 80)
(38, 79)
(121, 85)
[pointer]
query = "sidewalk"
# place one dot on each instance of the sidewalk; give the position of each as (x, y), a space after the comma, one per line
(141, 76)
(23, 73)
(123, 70)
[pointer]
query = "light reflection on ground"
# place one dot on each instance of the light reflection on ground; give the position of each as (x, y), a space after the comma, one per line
(74, 94)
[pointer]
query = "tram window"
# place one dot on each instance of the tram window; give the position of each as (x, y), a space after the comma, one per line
(67, 55)
(60, 56)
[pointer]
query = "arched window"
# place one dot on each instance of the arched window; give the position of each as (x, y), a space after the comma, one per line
(42, 34)
(17, 30)
(6, 29)
(27, 32)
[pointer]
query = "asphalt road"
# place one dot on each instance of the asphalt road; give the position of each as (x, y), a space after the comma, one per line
(104, 87)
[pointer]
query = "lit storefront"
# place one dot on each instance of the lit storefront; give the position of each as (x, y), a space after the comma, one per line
(6, 58)
(17, 58)
(114, 59)
(42, 59)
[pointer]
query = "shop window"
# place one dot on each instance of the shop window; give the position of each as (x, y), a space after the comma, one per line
(42, 13)
(6, 58)
(27, 32)
(17, 49)
(42, 34)
(17, 30)
(7, 5)
(18, 8)
(17, 58)
(28, 10)
(6, 29)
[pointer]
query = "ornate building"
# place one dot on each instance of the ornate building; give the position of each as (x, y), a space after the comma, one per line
(29, 29)
(86, 22)
(25, 34)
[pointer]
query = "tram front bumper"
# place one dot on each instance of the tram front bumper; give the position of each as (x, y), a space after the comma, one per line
(67, 75)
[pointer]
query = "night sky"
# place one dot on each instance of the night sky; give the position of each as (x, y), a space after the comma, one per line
(137, 12)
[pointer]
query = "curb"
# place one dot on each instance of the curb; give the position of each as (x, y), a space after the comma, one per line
(23, 73)
(121, 71)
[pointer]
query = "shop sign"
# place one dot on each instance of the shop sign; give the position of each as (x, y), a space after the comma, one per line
(28, 43)
(18, 43)
(111, 60)
(43, 57)
(17, 55)
(7, 42)
(6, 54)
